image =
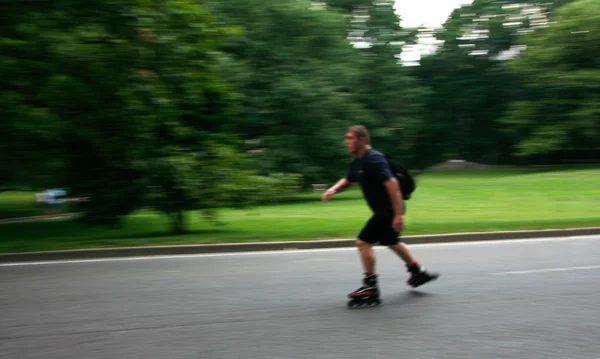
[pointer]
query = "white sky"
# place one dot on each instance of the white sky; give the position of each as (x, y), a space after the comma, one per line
(414, 13)
(428, 13)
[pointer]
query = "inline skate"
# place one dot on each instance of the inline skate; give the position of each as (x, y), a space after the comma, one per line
(367, 295)
(419, 275)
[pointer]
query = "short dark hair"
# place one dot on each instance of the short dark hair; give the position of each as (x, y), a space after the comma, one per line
(360, 131)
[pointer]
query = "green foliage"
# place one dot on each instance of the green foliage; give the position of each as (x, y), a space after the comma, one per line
(304, 84)
(191, 107)
(254, 190)
(490, 27)
(347, 5)
(126, 105)
(297, 72)
(471, 86)
(561, 109)
(394, 98)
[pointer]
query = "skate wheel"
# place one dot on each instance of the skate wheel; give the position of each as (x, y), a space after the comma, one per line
(352, 304)
(369, 304)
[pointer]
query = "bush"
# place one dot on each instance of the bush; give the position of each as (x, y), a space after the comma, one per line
(254, 190)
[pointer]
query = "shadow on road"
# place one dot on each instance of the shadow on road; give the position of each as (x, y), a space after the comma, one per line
(410, 296)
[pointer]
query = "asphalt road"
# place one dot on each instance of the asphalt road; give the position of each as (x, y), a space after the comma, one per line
(516, 299)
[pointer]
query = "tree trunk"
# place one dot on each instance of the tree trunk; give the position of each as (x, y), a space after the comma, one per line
(178, 222)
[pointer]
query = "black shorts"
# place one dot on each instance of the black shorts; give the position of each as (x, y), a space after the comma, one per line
(379, 230)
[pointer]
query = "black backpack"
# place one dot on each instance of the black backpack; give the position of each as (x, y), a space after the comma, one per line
(407, 182)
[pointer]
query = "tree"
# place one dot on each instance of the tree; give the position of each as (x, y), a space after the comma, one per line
(388, 89)
(492, 28)
(391, 93)
(298, 75)
(471, 87)
(560, 111)
(126, 101)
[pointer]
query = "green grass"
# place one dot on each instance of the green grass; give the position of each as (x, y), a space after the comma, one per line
(444, 202)
(19, 204)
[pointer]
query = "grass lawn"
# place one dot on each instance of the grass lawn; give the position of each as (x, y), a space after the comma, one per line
(444, 202)
(19, 204)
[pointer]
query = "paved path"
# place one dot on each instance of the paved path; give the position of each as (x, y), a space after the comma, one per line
(508, 299)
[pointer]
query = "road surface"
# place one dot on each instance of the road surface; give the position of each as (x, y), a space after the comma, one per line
(510, 299)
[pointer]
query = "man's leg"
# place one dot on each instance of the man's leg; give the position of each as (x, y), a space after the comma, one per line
(368, 292)
(404, 253)
(367, 256)
(366, 239)
(400, 248)
(418, 274)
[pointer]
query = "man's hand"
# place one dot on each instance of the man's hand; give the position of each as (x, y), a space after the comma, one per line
(328, 194)
(337, 188)
(398, 223)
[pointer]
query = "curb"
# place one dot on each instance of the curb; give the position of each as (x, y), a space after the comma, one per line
(46, 217)
(279, 246)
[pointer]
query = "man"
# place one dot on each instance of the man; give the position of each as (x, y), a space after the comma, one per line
(383, 194)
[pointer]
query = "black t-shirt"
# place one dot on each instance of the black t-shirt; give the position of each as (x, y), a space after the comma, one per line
(372, 171)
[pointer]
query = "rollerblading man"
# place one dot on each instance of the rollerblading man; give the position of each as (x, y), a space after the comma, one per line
(383, 194)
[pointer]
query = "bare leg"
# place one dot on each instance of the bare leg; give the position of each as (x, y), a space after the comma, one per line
(418, 276)
(367, 256)
(404, 252)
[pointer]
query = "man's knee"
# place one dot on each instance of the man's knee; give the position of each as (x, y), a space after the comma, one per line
(362, 244)
(394, 245)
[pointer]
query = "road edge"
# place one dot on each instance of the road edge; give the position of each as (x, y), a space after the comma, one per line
(95, 253)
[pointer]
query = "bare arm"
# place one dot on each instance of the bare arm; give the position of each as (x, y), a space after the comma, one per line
(340, 186)
(393, 189)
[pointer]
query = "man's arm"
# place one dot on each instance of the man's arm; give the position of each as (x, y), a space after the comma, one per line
(393, 189)
(384, 174)
(340, 186)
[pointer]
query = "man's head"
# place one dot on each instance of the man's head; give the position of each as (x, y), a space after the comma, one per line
(357, 139)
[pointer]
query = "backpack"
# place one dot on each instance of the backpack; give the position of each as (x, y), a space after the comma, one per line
(407, 182)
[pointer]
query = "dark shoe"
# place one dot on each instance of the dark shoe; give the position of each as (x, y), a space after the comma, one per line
(420, 276)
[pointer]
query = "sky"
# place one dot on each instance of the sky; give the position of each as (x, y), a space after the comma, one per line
(428, 13)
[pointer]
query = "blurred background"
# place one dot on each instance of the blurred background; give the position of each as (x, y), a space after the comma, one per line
(113, 106)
